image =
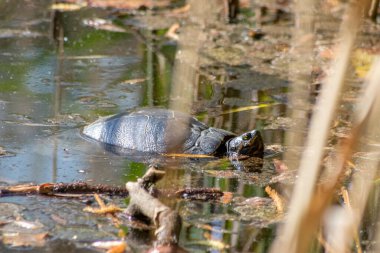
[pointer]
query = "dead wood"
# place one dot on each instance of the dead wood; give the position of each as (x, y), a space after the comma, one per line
(166, 220)
(62, 188)
(204, 194)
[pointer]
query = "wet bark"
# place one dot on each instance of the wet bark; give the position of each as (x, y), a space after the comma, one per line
(166, 220)
(62, 188)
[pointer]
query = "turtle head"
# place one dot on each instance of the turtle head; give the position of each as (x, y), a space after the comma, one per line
(249, 144)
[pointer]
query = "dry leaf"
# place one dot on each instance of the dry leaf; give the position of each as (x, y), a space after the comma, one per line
(24, 239)
(226, 198)
(280, 166)
(108, 209)
(134, 81)
(362, 62)
(67, 6)
(2, 151)
(111, 246)
(276, 198)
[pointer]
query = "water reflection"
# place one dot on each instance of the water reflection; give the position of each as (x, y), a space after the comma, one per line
(70, 74)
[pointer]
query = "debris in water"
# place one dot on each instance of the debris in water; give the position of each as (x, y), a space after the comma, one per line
(103, 24)
(204, 194)
(56, 189)
(171, 33)
(2, 151)
(248, 108)
(22, 233)
(68, 6)
(134, 81)
(111, 246)
(276, 199)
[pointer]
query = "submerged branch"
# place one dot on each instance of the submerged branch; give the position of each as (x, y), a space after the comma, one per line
(62, 188)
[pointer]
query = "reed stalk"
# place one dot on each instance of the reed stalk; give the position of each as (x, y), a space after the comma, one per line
(307, 204)
(367, 114)
(300, 69)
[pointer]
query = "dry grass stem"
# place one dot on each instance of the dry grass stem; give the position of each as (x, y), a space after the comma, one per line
(367, 115)
(247, 108)
(300, 70)
(325, 244)
(171, 33)
(347, 202)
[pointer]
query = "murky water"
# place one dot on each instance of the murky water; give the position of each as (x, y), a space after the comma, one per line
(57, 74)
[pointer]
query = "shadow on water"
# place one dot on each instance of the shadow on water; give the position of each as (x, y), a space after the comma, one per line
(57, 74)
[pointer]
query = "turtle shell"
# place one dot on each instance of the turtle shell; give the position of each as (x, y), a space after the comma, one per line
(158, 131)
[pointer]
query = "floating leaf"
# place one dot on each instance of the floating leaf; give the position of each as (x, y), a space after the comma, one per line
(134, 81)
(259, 211)
(22, 233)
(221, 173)
(362, 61)
(24, 239)
(2, 151)
(107, 244)
(227, 197)
(10, 33)
(103, 24)
(68, 6)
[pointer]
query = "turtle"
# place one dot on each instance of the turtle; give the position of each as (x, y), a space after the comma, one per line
(162, 131)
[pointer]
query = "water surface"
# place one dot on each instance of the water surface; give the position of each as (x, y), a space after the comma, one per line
(58, 74)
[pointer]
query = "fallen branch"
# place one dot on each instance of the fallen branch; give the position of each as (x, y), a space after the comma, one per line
(167, 221)
(79, 189)
(56, 189)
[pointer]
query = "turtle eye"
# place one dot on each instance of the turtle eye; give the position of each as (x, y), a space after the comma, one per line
(233, 149)
(247, 136)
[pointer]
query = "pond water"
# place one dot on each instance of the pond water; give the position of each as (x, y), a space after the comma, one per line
(58, 74)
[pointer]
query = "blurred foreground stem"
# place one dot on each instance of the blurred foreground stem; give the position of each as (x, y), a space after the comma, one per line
(306, 207)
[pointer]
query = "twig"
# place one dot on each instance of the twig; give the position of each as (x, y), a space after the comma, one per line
(325, 244)
(104, 209)
(109, 210)
(276, 199)
(167, 221)
(151, 177)
(180, 10)
(171, 33)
